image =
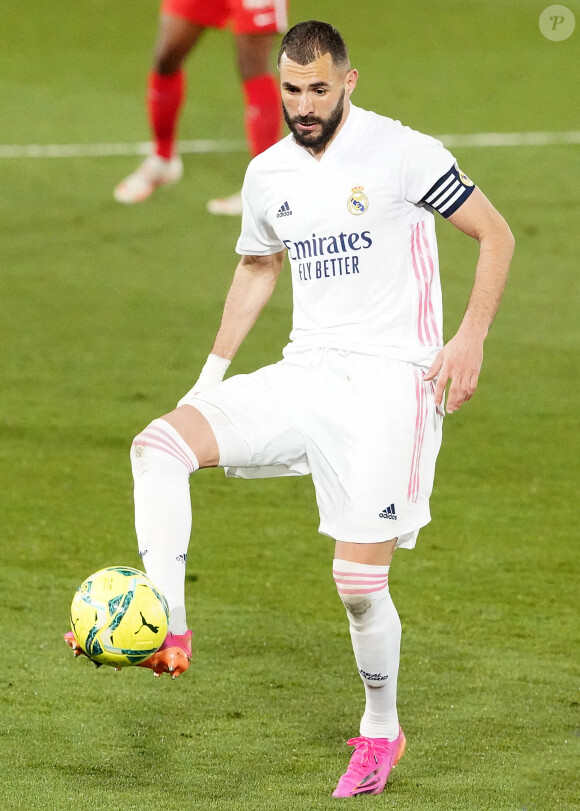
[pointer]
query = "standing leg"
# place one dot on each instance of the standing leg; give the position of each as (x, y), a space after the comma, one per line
(165, 96)
(263, 116)
(361, 575)
(166, 83)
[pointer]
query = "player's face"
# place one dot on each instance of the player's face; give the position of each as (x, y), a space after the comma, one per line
(313, 99)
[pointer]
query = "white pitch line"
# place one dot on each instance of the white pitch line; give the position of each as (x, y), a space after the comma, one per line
(512, 139)
(477, 139)
(112, 150)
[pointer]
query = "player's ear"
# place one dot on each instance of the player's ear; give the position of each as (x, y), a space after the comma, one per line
(350, 81)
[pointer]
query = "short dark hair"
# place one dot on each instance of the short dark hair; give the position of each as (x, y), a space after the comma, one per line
(307, 41)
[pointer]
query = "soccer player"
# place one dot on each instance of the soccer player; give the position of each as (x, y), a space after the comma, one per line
(255, 24)
(358, 398)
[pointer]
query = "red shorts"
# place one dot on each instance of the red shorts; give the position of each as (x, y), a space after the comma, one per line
(244, 16)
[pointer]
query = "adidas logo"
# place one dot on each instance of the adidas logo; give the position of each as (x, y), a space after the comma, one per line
(284, 210)
(389, 512)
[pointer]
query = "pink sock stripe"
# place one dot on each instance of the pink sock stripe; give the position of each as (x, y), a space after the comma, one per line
(158, 447)
(178, 444)
(344, 581)
(161, 434)
(365, 590)
(352, 582)
(167, 441)
(164, 442)
(158, 435)
(360, 582)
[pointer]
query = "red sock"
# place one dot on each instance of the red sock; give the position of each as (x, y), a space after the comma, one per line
(263, 113)
(165, 95)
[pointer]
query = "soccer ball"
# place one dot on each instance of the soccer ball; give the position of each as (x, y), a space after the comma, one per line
(118, 617)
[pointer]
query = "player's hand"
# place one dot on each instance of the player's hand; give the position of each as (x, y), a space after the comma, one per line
(211, 375)
(459, 362)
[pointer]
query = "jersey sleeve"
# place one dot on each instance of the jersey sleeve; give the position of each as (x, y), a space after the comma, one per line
(432, 177)
(257, 237)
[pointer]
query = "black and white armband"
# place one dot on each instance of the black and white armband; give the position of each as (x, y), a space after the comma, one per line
(450, 192)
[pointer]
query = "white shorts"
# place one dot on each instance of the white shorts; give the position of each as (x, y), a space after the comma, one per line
(365, 427)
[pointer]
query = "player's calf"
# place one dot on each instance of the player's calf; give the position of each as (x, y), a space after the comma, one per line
(375, 631)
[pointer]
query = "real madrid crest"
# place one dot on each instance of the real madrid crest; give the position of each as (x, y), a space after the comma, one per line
(463, 177)
(357, 202)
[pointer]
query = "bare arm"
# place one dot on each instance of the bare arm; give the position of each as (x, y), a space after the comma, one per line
(461, 358)
(253, 284)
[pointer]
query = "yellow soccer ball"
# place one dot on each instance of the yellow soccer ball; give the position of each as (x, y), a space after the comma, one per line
(118, 617)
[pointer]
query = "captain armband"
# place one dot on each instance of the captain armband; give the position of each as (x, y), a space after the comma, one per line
(449, 193)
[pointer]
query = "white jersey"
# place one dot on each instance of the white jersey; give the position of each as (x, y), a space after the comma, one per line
(360, 235)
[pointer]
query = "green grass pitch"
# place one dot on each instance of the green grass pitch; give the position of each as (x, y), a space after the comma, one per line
(107, 314)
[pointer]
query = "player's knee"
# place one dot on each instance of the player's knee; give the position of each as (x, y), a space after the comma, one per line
(167, 61)
(254, 54)
(357, 605)
(160, 444)
(360, 590)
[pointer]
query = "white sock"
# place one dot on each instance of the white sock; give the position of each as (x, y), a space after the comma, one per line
(162, 463)
(375, 630)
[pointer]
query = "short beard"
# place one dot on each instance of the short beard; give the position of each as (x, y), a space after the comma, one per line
(328, 127)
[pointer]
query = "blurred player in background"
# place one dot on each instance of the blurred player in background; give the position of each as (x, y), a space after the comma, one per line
(357, 400)
(255, 24)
